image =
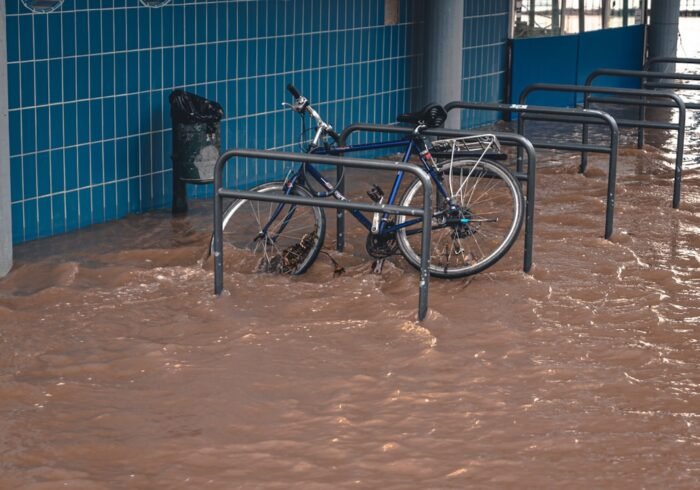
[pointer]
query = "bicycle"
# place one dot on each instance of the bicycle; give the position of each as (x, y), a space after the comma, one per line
(478, 209)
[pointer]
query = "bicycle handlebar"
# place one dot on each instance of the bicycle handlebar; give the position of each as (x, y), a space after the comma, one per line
(301, 104)
(293, 90)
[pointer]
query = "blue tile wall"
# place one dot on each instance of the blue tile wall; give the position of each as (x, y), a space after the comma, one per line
(485, 57)
(90, 136)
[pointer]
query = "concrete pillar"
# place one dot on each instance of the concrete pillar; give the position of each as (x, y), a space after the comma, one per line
(442, 48)
(5, 203)
(663, 31)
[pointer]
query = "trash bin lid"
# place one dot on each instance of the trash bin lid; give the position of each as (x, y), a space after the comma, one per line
(186, 107)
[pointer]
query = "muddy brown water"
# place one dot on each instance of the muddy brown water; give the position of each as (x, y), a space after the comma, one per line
(119, 368)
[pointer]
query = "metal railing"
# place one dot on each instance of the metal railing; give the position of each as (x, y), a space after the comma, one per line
(220, 193)
(645, 75)
(508, 139)
(568, 115)
(636, 97)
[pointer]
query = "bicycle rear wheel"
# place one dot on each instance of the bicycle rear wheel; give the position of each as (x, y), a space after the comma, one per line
(475, 227)
(273, 237)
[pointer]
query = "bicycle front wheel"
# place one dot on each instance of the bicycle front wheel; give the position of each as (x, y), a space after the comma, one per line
(273, 237)
(472, 229)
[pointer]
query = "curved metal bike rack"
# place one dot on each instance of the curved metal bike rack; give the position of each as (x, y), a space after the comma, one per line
(568, 115)
(636, 97)
(220, 193)
(644, 76)
(509, 139)
(669, 59)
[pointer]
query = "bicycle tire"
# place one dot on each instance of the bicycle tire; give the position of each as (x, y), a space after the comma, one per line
(288, 248)
(482, 228)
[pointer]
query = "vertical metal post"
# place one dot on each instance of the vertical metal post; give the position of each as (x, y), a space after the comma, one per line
(679, 158)
(530, 206)
(5, 191)
(179, 205)
(340, 214)
(612, 178)
(556, 18)
(625, 12)
(584, 138)
(606, 14)
(218, 228)
(519, 150)
(581, 16)
(425, 250)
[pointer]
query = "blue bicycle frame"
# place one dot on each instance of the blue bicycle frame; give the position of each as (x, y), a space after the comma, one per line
(384, 229)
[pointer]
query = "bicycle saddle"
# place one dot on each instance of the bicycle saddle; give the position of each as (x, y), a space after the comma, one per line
(432, 115)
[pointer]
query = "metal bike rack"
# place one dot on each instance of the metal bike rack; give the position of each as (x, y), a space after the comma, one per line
(646, 74)
(568, 115)
(220, 193)
(669, 59)
(636, 97)
(509, 139)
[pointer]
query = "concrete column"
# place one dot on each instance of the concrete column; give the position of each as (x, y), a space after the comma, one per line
(663, 31)
(5, 203)
(442, 48)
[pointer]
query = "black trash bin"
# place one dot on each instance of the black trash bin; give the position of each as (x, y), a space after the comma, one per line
(196, 142)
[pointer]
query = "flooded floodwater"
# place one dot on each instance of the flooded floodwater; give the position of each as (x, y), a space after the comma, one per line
(119, 368)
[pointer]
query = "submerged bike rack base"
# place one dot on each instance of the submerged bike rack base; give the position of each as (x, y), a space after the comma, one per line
(220, 193)
(505, 138)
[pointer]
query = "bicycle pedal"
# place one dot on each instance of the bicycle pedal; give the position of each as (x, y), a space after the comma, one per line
(377, 266)
(376, 193)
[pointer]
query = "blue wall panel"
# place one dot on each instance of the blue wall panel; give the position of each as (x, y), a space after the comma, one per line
(90, 136)
(531, 65)
(595, 52)
(570, 59)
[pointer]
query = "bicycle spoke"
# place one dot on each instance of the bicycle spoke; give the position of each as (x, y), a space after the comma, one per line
(480, 224)
(276, 237)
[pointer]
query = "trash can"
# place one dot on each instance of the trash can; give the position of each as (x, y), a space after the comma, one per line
(196, 142)
(196, 136)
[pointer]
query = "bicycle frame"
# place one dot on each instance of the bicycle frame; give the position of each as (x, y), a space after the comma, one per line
(411, 147)
(414, 144)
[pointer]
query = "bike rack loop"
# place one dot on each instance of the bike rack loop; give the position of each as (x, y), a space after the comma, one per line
(220, 193)
(505, 138)
(560, 114)
(587, 90)
(568, 115)
(645, 74)
(669, 59)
